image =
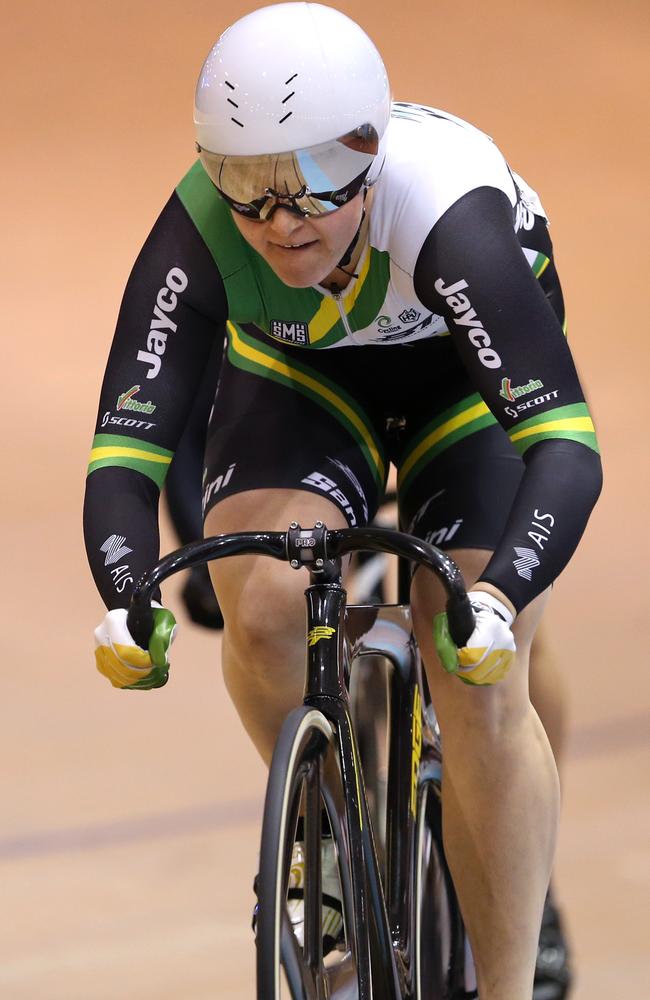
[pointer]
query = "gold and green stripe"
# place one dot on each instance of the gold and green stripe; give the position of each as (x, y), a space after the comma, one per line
(459, 421)
(571, 422)
(251, 355)
(540, 264)
(323, 326)
(130, 453)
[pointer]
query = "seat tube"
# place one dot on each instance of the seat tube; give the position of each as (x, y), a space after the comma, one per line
(325, 641)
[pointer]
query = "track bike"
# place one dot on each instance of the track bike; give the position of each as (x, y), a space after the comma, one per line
(402, 936)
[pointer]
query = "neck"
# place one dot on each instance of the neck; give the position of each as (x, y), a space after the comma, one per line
(343, 274)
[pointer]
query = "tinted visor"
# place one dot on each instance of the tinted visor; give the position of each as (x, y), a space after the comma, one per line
(310, 181)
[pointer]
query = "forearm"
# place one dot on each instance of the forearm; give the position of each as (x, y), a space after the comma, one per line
(120, 531)
(558, 491)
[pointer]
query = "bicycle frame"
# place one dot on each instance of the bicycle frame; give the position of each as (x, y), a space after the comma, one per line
(383, 916)
(338, 636)
(385, 632)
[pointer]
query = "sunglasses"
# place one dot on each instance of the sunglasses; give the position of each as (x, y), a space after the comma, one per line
(313, 181)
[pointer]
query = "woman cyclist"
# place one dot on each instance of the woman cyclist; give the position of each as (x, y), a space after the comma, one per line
(389, 291)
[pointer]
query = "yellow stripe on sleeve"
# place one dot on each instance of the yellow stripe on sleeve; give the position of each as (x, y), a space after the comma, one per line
(584, 424)
(111, 452)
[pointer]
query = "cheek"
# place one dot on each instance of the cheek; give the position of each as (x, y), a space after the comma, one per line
(339, 230)
(249, 230)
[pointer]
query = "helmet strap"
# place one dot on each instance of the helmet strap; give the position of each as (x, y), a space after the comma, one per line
(347, 256)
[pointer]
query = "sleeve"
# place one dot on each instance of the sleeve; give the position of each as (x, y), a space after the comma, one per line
(173, 308)
(472, 271)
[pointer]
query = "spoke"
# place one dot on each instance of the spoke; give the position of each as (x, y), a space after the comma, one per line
(313, 875)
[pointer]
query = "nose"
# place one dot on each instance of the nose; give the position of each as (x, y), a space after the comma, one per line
(284, 223)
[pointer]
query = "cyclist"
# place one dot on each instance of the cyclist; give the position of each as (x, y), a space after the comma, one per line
(378, 266)
(183, 495)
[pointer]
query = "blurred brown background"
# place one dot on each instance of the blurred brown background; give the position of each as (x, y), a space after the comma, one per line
(129, 823)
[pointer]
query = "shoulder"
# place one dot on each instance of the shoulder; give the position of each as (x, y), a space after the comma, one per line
(432, 160)
(212, 218)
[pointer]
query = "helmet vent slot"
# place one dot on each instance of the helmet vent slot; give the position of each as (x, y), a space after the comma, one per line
(234, 104)
(288, 97)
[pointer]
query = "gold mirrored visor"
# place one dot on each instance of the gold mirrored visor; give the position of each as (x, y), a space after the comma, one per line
(311, 181)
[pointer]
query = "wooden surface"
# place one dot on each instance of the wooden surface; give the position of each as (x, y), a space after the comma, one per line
(128, 821)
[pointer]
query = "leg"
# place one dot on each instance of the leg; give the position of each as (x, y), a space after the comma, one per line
(263, 605)
(548, 692)
(275, 455)
(500, 798)
(548, 695)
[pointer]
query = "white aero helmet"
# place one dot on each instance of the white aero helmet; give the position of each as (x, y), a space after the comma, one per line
(292, 103)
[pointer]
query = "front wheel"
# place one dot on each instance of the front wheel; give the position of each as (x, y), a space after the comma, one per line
(304, 781)
(438, 935)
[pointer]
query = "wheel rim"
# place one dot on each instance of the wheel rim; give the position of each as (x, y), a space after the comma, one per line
(298, 770)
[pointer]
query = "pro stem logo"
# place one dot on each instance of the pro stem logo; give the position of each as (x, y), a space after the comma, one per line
(319, 632)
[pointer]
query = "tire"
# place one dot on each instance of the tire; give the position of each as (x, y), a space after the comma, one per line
(438, 940)
(304, 767)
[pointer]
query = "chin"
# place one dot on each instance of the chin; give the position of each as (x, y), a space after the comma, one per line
(303, 277)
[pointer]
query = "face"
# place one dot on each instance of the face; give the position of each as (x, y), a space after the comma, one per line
(303, 251)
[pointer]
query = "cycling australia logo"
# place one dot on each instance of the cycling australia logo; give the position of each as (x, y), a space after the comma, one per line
(409, 316)
(290, 333)
(397, 332)
(319, 632)
(125, 401)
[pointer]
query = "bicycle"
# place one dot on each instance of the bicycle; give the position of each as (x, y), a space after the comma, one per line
(403, 936)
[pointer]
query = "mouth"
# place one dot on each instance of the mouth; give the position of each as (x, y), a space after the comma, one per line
(294, 247)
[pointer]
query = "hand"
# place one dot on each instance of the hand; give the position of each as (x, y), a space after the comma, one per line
(490, 650)
(125, 664)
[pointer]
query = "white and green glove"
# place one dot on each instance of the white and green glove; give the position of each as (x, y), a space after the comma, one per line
(123, 662)
(490, 650)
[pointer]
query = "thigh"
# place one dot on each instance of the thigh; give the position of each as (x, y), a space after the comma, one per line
(278, 424)
(458, 476)
(286, 443)
(458, 479)
(255, 592)
(458, 704)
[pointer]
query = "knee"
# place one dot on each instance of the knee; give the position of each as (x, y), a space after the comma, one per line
(471, 713)
(262, 605)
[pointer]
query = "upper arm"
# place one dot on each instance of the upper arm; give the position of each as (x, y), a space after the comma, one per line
(173, 307)
(472, 271)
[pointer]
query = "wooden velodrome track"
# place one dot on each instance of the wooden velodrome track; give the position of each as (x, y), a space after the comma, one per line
(129, 822)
